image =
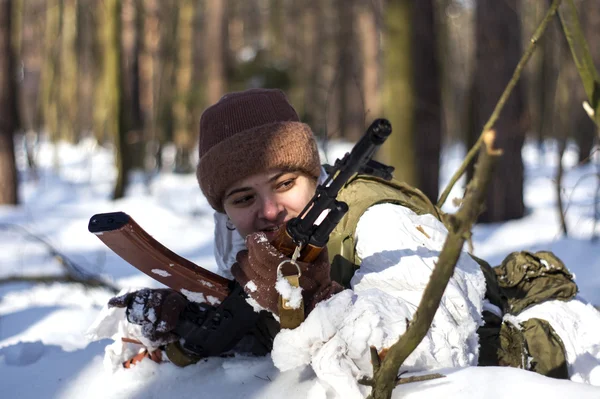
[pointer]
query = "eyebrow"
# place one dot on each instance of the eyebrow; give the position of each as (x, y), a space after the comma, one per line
(242, 189)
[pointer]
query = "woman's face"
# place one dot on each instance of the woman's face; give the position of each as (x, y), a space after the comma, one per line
(265, 201)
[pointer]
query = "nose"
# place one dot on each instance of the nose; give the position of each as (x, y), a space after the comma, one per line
(270, 208)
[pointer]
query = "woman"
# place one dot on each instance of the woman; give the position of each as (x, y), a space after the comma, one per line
(258, 168)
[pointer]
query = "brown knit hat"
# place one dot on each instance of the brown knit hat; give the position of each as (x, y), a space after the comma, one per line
(251, 132)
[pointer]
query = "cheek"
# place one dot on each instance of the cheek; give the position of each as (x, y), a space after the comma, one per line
(240, 219)
(301, 199)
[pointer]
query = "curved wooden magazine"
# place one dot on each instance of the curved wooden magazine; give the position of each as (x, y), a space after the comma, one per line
(132, 243)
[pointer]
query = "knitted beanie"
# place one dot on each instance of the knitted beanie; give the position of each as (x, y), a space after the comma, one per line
(250, 132)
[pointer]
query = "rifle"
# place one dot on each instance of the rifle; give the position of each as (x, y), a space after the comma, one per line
(301, 239)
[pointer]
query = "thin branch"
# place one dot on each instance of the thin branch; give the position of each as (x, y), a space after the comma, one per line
(559, 179)
(74, 272)
(375, 360)
(503, 98)
(385, 379)
(89, 283)
(418, 378)
(596, 205)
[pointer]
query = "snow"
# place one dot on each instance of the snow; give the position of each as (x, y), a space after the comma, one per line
(44, 350)
(161, 272)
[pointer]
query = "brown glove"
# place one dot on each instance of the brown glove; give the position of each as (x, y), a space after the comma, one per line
(258, 264)
(156, 310)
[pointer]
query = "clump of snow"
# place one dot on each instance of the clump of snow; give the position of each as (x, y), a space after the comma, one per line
(160, 272)
(290, 294)
(251, 286)
(192, 296)
(199, 297)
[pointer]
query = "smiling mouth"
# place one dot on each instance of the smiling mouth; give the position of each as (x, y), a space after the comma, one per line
(271, 229)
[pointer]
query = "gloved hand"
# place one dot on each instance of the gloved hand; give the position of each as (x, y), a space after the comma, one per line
(258, 265)
(156, 310)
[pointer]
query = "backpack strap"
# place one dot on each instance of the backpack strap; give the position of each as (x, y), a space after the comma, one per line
(360, 193)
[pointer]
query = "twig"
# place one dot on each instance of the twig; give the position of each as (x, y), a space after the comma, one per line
(418, 378)
(89, 283)
(74, 272)
(559, 178)
(597, 205)
(503, 98)
(385, 378)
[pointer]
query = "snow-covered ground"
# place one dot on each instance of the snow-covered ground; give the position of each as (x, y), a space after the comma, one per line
(44, 352)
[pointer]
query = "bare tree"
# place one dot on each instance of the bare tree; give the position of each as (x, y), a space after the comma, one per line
(67, 89)
(368, 32)
(497, 52)
(131, 43)
(412, 93)
(585, 129)
(348, 84)
(214, 45)
(184, 133)
(8, 109)
(427, 107)
(399, 90)
(87, 57)
(50, 73)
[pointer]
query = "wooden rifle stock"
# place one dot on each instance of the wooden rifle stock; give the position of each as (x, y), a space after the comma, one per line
(286, 245)
(132, 243)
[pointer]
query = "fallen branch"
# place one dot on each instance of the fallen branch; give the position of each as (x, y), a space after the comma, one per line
(503, 98)
(89, 283)
(385, 371)
(73, 272)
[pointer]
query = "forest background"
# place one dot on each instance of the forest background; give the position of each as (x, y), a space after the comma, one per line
(137, 74)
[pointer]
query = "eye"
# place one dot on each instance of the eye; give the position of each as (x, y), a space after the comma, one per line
(243, 200)
(286, 184)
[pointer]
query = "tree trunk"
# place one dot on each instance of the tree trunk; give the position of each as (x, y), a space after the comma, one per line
(50, 74)
(552, 56)
(8, 109)
(585, 129)
(532, 13)
(67, 90)
(87, 55)
(369, 33)
(498, 50)
(427, 107)
(114, 89)
(214, 47)
(184, 133)
(399, 90)
(166, 72)
(350, 118)
(275, 32)
(30, 52)
(130, 76)
(148, 69)
(314, 104)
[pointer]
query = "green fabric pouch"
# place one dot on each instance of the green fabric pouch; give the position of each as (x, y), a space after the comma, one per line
(527, 279)
(545, 348)
(532, 345)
